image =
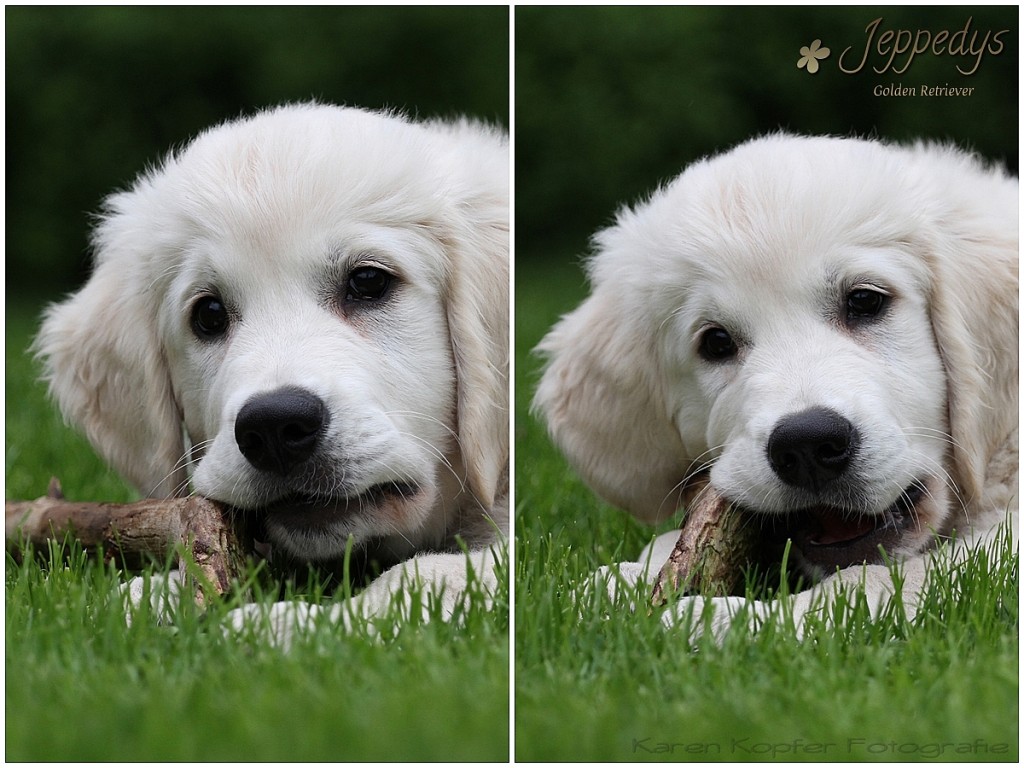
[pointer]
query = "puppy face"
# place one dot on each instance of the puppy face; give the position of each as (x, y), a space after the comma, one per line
(815, 394)
(786, 318)
(306, 311)
(323, 392)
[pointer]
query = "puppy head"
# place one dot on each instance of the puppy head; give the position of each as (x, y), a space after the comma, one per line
(780, 317)
(302, 310)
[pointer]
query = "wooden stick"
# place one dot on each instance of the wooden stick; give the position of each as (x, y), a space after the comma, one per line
(715, 544)
(147, 529)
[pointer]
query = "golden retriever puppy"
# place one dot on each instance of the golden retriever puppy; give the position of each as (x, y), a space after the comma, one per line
(303, 314)
(825, 326)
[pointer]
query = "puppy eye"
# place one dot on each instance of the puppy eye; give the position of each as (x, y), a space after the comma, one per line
(864, 304)
(368, 284)
(716, 344)
(209, 318)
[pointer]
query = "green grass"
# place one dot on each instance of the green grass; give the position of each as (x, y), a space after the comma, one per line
(593, 682)
(82, 686)
(596, 682)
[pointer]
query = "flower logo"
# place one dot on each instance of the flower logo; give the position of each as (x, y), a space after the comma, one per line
(810, 55)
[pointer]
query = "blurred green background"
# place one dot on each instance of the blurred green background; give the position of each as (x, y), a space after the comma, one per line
(96, 94)
(610, 101)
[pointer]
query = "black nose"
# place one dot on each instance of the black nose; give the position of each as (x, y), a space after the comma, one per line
(279, 430)
(810, 448)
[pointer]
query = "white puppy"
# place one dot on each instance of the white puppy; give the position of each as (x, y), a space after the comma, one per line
(304, 314)
(829, 328)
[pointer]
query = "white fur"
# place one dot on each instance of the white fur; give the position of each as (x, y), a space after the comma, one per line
(766, 241)
(272, 213)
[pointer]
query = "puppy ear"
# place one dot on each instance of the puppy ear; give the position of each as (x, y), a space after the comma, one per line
(477, 313)
(104, 365)
(602, 400)
(974, 299)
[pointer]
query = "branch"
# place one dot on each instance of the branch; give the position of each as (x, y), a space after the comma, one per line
(133, 533)
(715, 544)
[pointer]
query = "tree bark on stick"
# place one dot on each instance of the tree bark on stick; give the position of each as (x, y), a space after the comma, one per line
(195, 529)
(715, 544)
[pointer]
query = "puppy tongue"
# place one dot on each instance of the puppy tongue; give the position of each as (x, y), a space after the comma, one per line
(833, 528)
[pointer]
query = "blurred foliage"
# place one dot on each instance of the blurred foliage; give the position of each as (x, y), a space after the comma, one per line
(96, 94)
(610, 101)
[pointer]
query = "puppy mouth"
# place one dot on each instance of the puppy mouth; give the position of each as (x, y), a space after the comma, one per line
(310, 511)
(828, 538)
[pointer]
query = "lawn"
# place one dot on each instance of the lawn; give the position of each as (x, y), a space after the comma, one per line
(82, 686)
(595, 682)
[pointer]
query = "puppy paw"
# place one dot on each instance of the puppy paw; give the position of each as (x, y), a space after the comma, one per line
(278, 624)
(157, 596)
(713, 616)
(622, 586)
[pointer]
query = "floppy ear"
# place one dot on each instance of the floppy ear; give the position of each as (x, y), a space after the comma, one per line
(974, 301)
(477, 313)
(105, 368)
(601, 396)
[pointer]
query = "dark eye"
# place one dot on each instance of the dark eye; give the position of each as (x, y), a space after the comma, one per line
(717, 344)
(864, 304)
(368, 284)
(209, 318)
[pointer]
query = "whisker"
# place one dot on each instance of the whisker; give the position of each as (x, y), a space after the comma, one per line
(426, 417)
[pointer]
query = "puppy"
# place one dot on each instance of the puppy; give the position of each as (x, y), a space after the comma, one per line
(303, 314)
(826, 326)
